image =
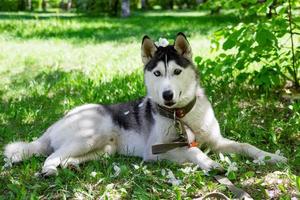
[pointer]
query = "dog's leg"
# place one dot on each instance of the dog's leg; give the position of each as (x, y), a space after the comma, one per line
(193, 155)
(64, 152)
(93, 155)
(78, 147)
(221, 144)
(230, 146)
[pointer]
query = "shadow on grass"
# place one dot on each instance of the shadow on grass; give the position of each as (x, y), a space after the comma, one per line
(102, 29)
(46, 97)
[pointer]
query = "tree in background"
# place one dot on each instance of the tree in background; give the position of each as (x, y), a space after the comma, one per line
(114, 7)
(21, 5)
(166, 4)
(97, 7)
(44, 5)
(66, 5)
(125, 8)
(144, 4)
(29, 5)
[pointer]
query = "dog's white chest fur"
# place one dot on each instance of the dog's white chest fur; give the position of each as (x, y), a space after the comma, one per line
(202, 121)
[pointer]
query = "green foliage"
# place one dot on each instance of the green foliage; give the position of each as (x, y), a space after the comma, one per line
(20, 5)
(257, 53)
(54, 3)
(98, 7)
(298, 183)
(10, 5)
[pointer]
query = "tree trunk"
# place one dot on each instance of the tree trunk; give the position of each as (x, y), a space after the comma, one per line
(22, 5)
(29, 5)
(170, 5)
(125, 8)
(69, 5)
(144, 4)
(215, 11)
(44, 5)
(61, 4)
(114, 7)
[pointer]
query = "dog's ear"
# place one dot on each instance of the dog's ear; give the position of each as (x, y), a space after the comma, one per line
(182, 46)
(148, 49)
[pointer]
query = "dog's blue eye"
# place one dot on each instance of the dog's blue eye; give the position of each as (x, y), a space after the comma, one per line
(177, 71)
(157, 73)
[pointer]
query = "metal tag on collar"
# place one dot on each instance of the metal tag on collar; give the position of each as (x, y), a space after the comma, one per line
(180, 113)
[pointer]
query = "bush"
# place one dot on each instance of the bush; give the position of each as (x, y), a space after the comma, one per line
(256, 53)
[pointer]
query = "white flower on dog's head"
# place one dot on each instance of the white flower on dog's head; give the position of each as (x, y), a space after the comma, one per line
(162, 42)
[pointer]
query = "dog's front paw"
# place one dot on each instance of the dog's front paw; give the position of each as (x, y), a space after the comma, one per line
(277, 159)
(270, 158)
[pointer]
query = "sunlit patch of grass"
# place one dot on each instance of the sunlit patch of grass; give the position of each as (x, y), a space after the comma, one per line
(31, 42)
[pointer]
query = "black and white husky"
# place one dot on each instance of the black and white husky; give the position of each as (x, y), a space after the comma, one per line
(141, 127)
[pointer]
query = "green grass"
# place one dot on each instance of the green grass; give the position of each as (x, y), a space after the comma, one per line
(50, 63)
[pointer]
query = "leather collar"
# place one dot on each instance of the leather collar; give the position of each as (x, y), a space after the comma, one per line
(177, 113)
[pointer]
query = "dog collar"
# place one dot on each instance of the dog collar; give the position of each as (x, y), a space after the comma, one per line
(176, 114)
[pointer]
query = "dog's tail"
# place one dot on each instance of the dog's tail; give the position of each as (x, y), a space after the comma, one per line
(19, 151)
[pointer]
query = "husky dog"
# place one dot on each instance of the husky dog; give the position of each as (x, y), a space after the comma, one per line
(140, 127)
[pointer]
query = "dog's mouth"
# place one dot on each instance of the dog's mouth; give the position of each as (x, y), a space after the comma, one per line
(169, 103)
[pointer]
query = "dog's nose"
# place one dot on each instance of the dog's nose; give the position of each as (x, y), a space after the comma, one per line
(167, 95)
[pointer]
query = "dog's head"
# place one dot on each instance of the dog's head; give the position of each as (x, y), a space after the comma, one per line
(170, 75)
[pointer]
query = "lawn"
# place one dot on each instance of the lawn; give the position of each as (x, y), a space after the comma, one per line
(51, 62)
